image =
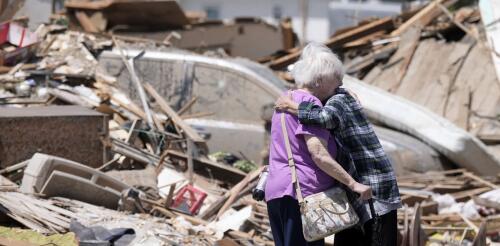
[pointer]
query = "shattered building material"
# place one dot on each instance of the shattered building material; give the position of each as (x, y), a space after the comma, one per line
(160, 13)
(142, 177)
(490, 13)
(235, 90)
(52, 176)
(26, 131)
(193, 99)
(54, 216)
(241, 37)
(208, 168)
(453, 142)
(443, 205)
(338, 41)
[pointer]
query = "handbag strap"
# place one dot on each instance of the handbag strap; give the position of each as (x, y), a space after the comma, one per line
(291, 162)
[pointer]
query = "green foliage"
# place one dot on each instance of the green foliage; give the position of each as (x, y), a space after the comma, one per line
(245, 166)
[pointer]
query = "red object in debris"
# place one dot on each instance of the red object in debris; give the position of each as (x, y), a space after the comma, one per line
(189, 200)
(24, 41)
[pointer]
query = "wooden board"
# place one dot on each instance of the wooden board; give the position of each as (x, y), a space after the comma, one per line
(427, 82)
(188, 130)
(421, 19)
(337, 41)
(478, 74)
(490, 13)
(391, 77)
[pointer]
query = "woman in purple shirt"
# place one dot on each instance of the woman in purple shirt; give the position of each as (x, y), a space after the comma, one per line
(317, 74)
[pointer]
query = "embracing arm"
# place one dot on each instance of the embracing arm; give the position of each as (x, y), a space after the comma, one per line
(330, 116)
(318, 149)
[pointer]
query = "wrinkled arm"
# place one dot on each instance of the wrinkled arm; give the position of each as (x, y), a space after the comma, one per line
(319, 153)
(286, 103)
(329, 117)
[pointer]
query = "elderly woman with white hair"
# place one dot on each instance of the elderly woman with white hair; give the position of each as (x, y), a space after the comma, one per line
(313, 149)
(361, 149)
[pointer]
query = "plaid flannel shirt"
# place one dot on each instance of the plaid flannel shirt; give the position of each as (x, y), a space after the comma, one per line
(359, 150)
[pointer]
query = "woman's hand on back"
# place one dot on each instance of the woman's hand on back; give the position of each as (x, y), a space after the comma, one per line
(286, 103)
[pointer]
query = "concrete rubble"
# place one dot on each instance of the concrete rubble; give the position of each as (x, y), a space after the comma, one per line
(157, 126)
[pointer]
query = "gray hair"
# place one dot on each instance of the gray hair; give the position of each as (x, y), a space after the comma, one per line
(317, 64)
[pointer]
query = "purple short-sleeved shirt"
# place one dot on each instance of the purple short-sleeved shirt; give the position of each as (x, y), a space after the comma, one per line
(312, 179)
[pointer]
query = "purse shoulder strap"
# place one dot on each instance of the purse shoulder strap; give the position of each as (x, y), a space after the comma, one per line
(291, 162)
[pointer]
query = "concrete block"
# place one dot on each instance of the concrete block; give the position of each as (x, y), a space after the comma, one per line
(55, 176)
(72, 132)
(70, 186)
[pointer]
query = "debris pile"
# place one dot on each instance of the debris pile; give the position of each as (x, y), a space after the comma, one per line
(120, 164)
(104, 122)
(452, 207)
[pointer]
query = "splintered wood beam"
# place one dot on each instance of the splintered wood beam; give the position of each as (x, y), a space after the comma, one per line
(205, 167)
(85, 22)
(187, 106)
(187, 129)
(480, 239)
(481, 180)
(423, 18)
(91, 5)
(415, 227)
(237, 189)
(338, 41)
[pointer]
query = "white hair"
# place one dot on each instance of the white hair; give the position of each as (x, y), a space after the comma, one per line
(317, 64)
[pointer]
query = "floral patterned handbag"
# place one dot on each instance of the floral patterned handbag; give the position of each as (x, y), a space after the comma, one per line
(324, 213)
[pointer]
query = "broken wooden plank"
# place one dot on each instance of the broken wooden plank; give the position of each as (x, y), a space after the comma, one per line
(70, 98)
(14, 167)
(237, 188)
(481, 180)
(85, 22)
(187, 129)
(422, 18)
(416, 238)
(480, 239)
(191, 151)
(391, 77)
(129, 64)
(208, 168)
(187, 106)
(363, 62)
(120, 147)
(490, 14)
(336, 42)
